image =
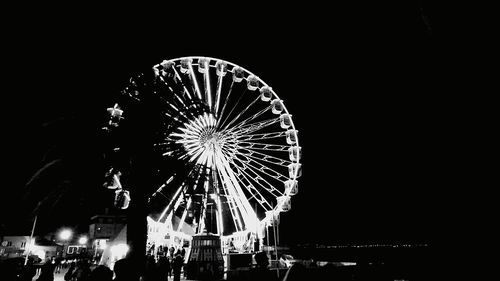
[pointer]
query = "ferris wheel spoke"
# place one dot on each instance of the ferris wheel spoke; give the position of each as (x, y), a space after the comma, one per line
(233, 108)
(265, 170)
(172, 89)
(184, 214)
(232, 205)
(262, 146)
(160, 189)
(174, 110)
(276, 161)
(267, 157)
(241, 113)
(219, 222)
(262, 136)
(253, 127)
(228, 152)
(177, 80)
(253, 190)
(194, 81)
(218, 94)
(208, 86)
(235, 213)
(180, 191)
(252, 117)
(235, 205)
(255, 173)
(249, 215)
(259, 180)
(184, 197)
(225, 103)
(182, 106)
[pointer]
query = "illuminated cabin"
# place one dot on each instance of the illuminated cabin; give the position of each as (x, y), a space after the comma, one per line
(205, 258)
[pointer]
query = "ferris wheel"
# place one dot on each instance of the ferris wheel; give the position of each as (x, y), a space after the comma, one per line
(235, 138)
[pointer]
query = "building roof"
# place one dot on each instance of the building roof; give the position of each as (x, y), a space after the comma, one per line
(40, 241)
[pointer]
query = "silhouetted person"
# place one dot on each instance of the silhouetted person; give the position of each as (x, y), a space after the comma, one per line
(124, 270)
(47, 271)
(150, 272)
(101, 273)
(177, 267)
(28, 272)
(163, 268)
(82, 271)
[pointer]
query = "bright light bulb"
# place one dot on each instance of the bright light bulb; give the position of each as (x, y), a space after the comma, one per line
(65, 234)
(83, 240)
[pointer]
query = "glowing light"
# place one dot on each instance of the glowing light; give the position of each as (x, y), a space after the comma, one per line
(115, 111)
(40, 253)
(83, 240)
(65, 234)
(119, 251)
(122, 199)
(102, 244)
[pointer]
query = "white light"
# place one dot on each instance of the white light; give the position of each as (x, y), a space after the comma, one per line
(40, 254)
(83, 240)
(119, 251)
(65, 234)
(102, 244)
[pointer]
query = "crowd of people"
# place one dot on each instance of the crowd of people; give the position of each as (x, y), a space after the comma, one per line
(165, 267)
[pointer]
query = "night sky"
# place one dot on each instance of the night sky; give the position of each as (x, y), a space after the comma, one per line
(360, 84)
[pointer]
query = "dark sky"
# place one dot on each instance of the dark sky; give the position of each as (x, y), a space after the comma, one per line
(360, 83)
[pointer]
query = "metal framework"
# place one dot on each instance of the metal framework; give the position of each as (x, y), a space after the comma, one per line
(237, 138)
